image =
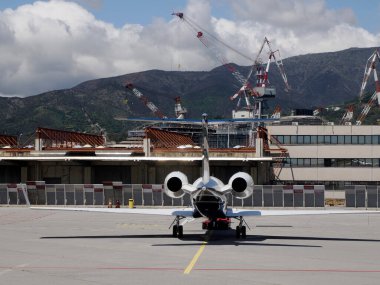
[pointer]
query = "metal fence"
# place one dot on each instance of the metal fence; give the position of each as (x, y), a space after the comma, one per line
(362, 196)
(40, 193)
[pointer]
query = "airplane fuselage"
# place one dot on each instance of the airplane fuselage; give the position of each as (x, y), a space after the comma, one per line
(208, 203)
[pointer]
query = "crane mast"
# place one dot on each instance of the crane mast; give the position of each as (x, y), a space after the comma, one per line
(179, 111)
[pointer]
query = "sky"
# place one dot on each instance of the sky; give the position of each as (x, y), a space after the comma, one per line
(56, 44)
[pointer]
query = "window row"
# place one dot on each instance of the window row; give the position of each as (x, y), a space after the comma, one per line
(331, 162)
(314, 139)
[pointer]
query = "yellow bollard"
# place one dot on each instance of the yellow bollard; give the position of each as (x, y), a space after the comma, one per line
(131, 203)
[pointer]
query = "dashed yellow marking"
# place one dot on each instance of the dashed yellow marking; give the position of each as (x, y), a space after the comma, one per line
(196, 256)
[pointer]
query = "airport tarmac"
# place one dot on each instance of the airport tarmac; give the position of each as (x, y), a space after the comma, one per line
(56, 247)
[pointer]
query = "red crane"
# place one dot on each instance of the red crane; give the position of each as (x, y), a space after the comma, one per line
(261, 89)
(370, 67)
(215, 45)
(348, 115)
(145, 100)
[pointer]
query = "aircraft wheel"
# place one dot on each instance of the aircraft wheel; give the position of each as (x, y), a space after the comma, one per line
(180, 231)
(237, 232)
(243, 232)
(175, 231)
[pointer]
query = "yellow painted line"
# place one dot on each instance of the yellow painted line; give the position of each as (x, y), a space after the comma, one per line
(196, 256)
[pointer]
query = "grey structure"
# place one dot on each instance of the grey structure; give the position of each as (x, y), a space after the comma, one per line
(153, 195)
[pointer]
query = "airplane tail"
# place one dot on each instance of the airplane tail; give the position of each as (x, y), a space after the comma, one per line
(205, 151)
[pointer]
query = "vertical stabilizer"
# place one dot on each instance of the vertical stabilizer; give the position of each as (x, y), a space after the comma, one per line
(205, 150)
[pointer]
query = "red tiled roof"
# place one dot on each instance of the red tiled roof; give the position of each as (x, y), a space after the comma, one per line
(166, 139)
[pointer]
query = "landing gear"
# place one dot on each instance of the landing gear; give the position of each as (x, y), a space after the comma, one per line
(177, 228)
(237, 232)
(180, 232)
(241, 231)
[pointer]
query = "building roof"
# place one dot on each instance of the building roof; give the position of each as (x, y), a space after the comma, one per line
(165, 139)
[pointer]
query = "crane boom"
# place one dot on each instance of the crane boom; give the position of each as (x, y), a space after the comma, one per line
(367, 107)
(370, 67)
(145, 100)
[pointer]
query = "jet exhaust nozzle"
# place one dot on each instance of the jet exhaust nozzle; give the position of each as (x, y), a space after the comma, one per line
(241, 184)
(174, 183)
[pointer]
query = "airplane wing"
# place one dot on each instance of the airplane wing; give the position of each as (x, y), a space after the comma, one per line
(231, 213)
(187, 212)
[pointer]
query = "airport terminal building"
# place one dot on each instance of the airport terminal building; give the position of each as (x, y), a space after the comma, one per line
(332, 155)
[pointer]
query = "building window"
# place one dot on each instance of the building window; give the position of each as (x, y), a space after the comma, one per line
(293, 162)
(328, 139)
(327, 162)
(307, 162)
(280, 139)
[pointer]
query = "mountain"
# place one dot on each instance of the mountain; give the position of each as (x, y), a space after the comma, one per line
(317, 80)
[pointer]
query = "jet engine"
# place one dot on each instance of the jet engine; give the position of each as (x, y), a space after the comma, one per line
(173, 184)
(241, 184)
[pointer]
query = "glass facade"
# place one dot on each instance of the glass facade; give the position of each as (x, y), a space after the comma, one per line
(306, 139)
(330, 162)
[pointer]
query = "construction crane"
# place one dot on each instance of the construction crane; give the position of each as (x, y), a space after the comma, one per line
(261, 89)
(215, 45)
(370, 67)
(348, 115)
(179, 111)
(276, 112)
(145, 100)
(262, 75)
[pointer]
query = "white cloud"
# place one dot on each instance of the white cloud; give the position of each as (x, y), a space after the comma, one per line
(57, 44)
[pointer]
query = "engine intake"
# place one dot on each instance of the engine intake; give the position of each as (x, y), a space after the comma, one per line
(173, 184)
(241, 184)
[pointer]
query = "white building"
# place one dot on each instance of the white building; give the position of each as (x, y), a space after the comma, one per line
(333, 155)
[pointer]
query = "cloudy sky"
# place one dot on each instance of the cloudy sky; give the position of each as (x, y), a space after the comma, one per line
(55, 44)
